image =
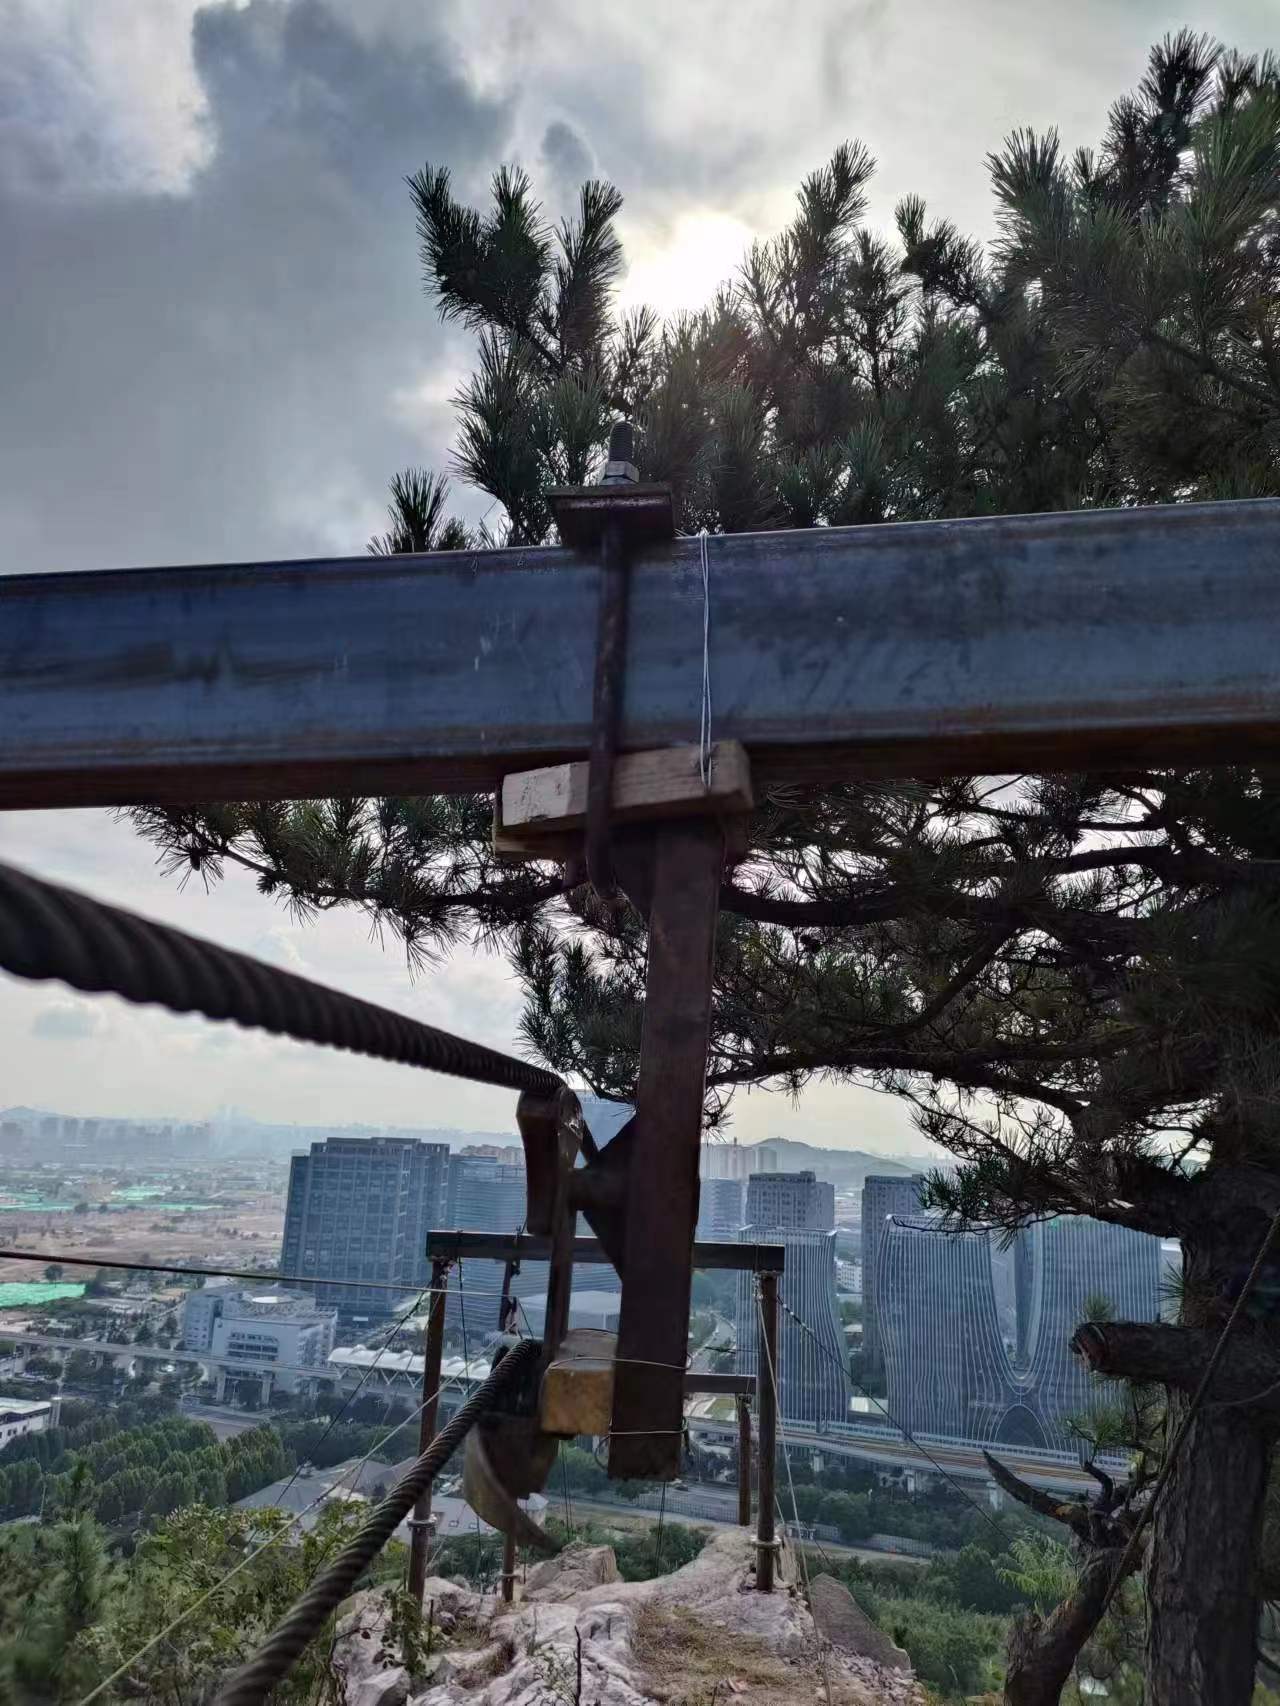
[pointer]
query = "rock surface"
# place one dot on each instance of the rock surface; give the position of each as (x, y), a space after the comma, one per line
(846, 1625)
(697, 1635)
(573, 1571)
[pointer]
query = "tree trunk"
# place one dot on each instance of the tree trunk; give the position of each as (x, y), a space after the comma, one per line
(1202, 1575)
(1042, 1650)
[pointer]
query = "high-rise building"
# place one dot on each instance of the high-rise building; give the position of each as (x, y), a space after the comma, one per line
(489, 1196)
(360, 1208)
(720, 1210)
(484, 1196)
(812, 1372)
(947, 1367)
(735, 1161)
(791, 1202)
(883, 1194)
(1076, 1260)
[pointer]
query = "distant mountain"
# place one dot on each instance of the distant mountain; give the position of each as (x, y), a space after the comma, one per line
(844, 1168)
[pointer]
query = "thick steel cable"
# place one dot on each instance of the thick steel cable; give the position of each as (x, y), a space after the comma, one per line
(251, 1684)
(47, 931)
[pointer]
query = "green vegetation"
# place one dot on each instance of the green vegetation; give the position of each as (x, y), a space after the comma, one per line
(70, 1616)
(143, 1461)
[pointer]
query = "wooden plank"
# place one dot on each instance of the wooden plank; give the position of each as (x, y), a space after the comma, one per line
(534, 804)
(662, 1183)
(1141, 635)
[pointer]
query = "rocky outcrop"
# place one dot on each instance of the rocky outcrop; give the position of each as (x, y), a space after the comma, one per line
(584, 1638)
(574, 1571)
(848, 1628)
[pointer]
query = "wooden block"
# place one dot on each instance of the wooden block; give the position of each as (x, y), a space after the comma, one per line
(577, 1388)
(646, 785)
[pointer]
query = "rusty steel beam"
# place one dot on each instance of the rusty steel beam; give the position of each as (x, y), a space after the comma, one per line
(1019, 641)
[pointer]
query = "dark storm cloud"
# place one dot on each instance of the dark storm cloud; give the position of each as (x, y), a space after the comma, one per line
(565, 158)
(231, 370)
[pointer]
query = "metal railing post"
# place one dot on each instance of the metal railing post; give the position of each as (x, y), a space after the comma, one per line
(744, 1460)
(432, 1361)
(767, 1397)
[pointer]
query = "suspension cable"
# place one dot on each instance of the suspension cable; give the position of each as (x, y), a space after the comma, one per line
(251, 1684)
(47, 931)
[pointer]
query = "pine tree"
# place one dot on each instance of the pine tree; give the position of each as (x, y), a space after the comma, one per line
(1071, 978)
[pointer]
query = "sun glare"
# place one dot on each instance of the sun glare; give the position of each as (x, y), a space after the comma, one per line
(700, 251)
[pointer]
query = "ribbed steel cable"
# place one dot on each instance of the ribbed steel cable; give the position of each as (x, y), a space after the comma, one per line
(47, 931)
(251, 1684)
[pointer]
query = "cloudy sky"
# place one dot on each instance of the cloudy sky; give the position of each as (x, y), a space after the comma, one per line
(214, 345)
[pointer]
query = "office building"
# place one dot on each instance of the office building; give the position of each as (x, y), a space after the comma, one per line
(720, 1210)
(883, 1194)
(1075, 1261)
(812, 1372)
(735, 1161)
(948, 1369)
(791, 1202)
(359, 1209)
(201, 1309)
(484, 1196)
(264, 1330)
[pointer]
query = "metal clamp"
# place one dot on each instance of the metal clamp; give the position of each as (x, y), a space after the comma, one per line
(614, 515)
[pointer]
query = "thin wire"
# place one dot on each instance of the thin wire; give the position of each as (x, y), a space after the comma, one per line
(662, 1517)
(704, 734)
(208, 1594)
(257, 1275)
(904, 1431)
(392, 1398)
(349, 1400)
(1130, 1552)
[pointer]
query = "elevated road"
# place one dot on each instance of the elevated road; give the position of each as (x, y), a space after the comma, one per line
(1054, 1471)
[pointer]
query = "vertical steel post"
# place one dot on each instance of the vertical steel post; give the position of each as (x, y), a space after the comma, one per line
(433, 1358)
(744, 1460)
(767, 1397)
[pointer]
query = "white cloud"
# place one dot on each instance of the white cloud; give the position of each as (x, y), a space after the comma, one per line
(69, 1020)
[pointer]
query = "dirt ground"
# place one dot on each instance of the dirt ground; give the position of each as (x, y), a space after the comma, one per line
(241, 1237)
